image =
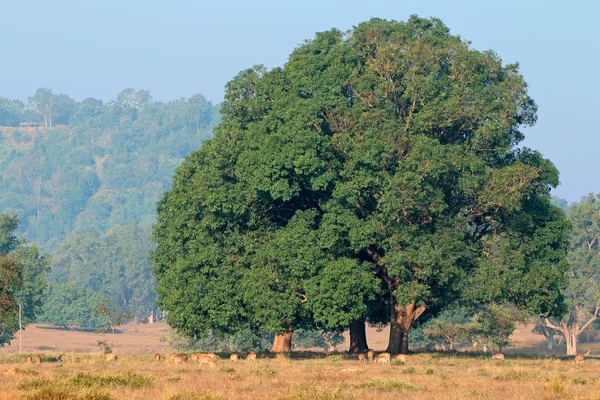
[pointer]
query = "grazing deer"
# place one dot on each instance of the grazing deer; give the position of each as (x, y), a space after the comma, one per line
(179, 359)
(251, 357)
(111, 357)
(38, 359)
(157, 357)
(362, 357)
(206, 359)
(579, 358)
(233, 357)
(401, 357)
(185, 357)
(172, 356)
(498, 357)
(195, 356)
(371, 355)
(28, 358)
(383, 358)
(62, 358)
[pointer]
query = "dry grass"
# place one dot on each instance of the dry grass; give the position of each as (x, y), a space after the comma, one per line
(300, 376)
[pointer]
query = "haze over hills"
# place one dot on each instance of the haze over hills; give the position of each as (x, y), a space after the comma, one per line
(84, 178)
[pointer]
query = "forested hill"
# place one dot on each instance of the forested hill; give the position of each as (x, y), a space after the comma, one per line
(99, 165)
(85, 180)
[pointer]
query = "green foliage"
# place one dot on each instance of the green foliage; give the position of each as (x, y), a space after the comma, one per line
(71, 305)
(451, 327)
(22, 279)
(377, 168)
(495, 325)
(96, 167)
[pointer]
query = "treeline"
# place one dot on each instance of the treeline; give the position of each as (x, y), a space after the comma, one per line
(84, 184)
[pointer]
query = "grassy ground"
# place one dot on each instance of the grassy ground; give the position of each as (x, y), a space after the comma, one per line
(301, 376)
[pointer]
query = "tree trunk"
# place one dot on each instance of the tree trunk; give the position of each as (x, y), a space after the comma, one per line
(550, 341)
(400, 322)
(358, 337)
(282, 342)
(571, 340)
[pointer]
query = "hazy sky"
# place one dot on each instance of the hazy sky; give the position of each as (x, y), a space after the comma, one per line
(175, 48)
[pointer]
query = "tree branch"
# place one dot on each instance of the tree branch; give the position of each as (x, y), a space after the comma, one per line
(594, 317)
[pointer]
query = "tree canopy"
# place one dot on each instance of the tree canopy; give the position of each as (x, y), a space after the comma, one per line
(22, 279)
(381, 162)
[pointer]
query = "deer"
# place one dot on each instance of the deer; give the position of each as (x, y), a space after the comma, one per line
(383, 358)
(233, 357)
(38, 359)
(29, 358)
(401, 357)
(371, 355)
(206, 359)
(179, 359)
(498, 357)
(195, 356)
(172, 356)
(111, 357)
(157, 357)
(251, 357)
(362, 357)
(62, 358)
(579, 358)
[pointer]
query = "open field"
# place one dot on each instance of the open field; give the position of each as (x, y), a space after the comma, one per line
(85, 374)
(302, 376)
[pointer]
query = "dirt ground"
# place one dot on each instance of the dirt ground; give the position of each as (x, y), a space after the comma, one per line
(135, 338)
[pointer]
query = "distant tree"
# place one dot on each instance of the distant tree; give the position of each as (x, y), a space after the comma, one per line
(449, 329)
(12, 112)
(11, 278)
(71, 305)
(560, 203)
(113, 318)
(582, 294)
(33, 291)
(495, 324)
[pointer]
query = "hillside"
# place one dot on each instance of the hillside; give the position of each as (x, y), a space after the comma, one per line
(85, 188)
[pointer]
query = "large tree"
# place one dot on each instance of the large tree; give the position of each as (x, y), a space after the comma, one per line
(384, 157)
(582, 293)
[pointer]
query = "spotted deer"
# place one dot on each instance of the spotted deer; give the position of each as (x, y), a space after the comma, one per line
(111, 357)
(157, 357)
(498, 357)
(62, 358)
(251, 357)
(400, 357)
(579, 358)
(179, 359)
(28, 359)
(233, 357)
(383, 358)
(206, 359)
(38, 359)
(371, 355)
(362, 357)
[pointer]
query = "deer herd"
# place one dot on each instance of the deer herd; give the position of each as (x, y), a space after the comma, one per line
(210, 359)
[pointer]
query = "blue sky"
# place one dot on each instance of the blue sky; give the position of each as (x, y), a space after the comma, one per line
(176, 48)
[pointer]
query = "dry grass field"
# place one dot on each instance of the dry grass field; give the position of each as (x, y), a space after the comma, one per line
(303, 375)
